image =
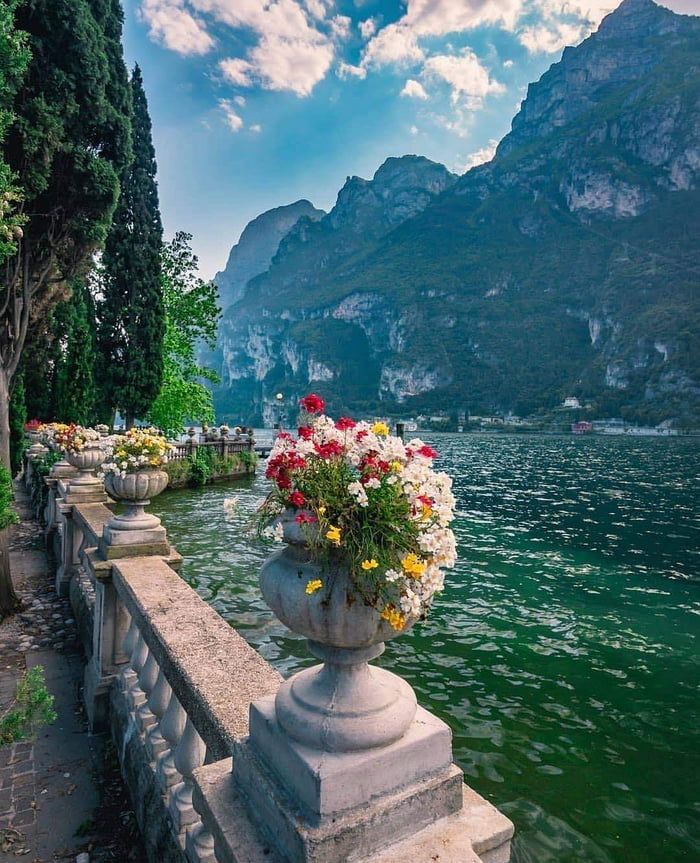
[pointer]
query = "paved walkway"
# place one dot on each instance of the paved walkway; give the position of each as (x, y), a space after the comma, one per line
(61, 794)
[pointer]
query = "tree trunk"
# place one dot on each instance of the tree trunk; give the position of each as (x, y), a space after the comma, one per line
(5, 418)
(9, 601)
(128, 422)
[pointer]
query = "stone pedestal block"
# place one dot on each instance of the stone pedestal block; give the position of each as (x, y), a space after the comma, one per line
(476, 833)
(321, 807)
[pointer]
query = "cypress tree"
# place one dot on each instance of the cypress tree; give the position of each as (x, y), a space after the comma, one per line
(67, 145)
(131, 313)
(75, 377)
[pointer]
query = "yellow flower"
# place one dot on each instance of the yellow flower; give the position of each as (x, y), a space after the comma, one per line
(395, 619)
(396, 466)
(413, 565)
(427, 512)
(321, 510)
(313, 585)
(381, 429)
(369, 564)
(333, 535)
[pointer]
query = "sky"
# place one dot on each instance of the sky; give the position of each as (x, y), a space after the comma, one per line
(258, 103)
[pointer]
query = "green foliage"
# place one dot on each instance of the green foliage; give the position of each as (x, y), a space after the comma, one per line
(207, 465)
(8, 515)
(131, 310)
(18, 417)
(14, 59)
(192, 314)
(74, 394)
(32, 708)
(39, 491)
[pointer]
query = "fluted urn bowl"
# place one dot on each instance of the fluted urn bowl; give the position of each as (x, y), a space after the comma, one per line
(87, 460)
(135, 490)
(344, 704)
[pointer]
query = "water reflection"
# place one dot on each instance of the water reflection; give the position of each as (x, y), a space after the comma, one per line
(563, 652)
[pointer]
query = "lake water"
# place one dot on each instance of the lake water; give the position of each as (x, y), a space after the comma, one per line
(564, 650)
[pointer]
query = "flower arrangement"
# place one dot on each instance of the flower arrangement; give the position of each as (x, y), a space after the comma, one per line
(74, 438)
(137, 450)
(364, 497)
(224, 430)
(33, 426)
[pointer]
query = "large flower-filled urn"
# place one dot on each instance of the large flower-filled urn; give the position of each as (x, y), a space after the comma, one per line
(345, 704)
(86, 460)
(135, 491)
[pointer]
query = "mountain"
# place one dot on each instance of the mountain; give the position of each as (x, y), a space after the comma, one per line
(568, 265)
(257, 247)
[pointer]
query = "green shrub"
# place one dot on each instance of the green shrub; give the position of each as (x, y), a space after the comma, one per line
(32, 708)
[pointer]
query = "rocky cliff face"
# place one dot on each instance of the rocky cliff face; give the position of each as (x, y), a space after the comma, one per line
(257, 246)
(567, 265)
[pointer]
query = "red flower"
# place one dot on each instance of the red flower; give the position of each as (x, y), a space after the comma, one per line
(296, 498)
(427, 452)
(312, 403)
(345, 423)
(305, 518)
(306, 432)
(283, 481)
(425, 500)
(330, 449)
(32, 424)
(361, 434)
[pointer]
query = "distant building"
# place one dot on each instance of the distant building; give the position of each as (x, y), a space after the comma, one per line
(582, 427)
(571, 402)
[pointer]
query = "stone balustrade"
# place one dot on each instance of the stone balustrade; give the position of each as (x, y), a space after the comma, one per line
(178, 688)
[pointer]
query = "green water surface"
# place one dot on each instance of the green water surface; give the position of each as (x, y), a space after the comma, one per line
(564, 650)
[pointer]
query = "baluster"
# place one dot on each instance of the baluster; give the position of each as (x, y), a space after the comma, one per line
(199, 845)
(158, 702)
(172, 728)
(147, 681)
(136, 696)
(189, 755)
(127, 674)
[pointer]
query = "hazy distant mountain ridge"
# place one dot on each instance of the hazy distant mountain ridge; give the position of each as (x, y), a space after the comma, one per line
(567, 265)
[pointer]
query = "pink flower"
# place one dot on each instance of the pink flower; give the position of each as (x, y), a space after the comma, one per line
(312, 403)
(296, 498)
(345, 423)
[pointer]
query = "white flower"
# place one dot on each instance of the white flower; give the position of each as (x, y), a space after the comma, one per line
(373, 482)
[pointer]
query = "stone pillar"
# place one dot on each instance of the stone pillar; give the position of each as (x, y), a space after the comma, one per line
(60, 471)
(71, 540)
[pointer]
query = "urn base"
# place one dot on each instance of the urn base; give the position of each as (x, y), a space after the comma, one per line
(320, 807)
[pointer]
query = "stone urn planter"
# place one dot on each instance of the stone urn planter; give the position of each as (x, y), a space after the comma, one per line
(87, 460)
(135, 490)
(344, 704)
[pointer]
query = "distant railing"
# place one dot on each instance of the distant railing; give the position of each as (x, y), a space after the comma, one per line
(223, 447)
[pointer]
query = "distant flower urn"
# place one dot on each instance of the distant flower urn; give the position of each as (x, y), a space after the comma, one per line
(86, 460)
(135, 491)
(343, 705)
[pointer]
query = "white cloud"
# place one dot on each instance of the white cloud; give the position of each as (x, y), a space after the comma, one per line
(240, 101)
(591, 11)
(237, 71)
(438, 17)
(347, 70)
(507, 64)
(233, 121)
(256, 127)
(394, 44)
(368, 28)
(340, 26)
(414, 90)
(171, 25)
(414, 130)
(551, 38)
(469, 81)
(478, 157)
(294, 48)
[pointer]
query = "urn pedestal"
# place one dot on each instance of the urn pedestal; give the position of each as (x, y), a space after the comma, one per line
(341, 763)
(85, 487)
(135, 527)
